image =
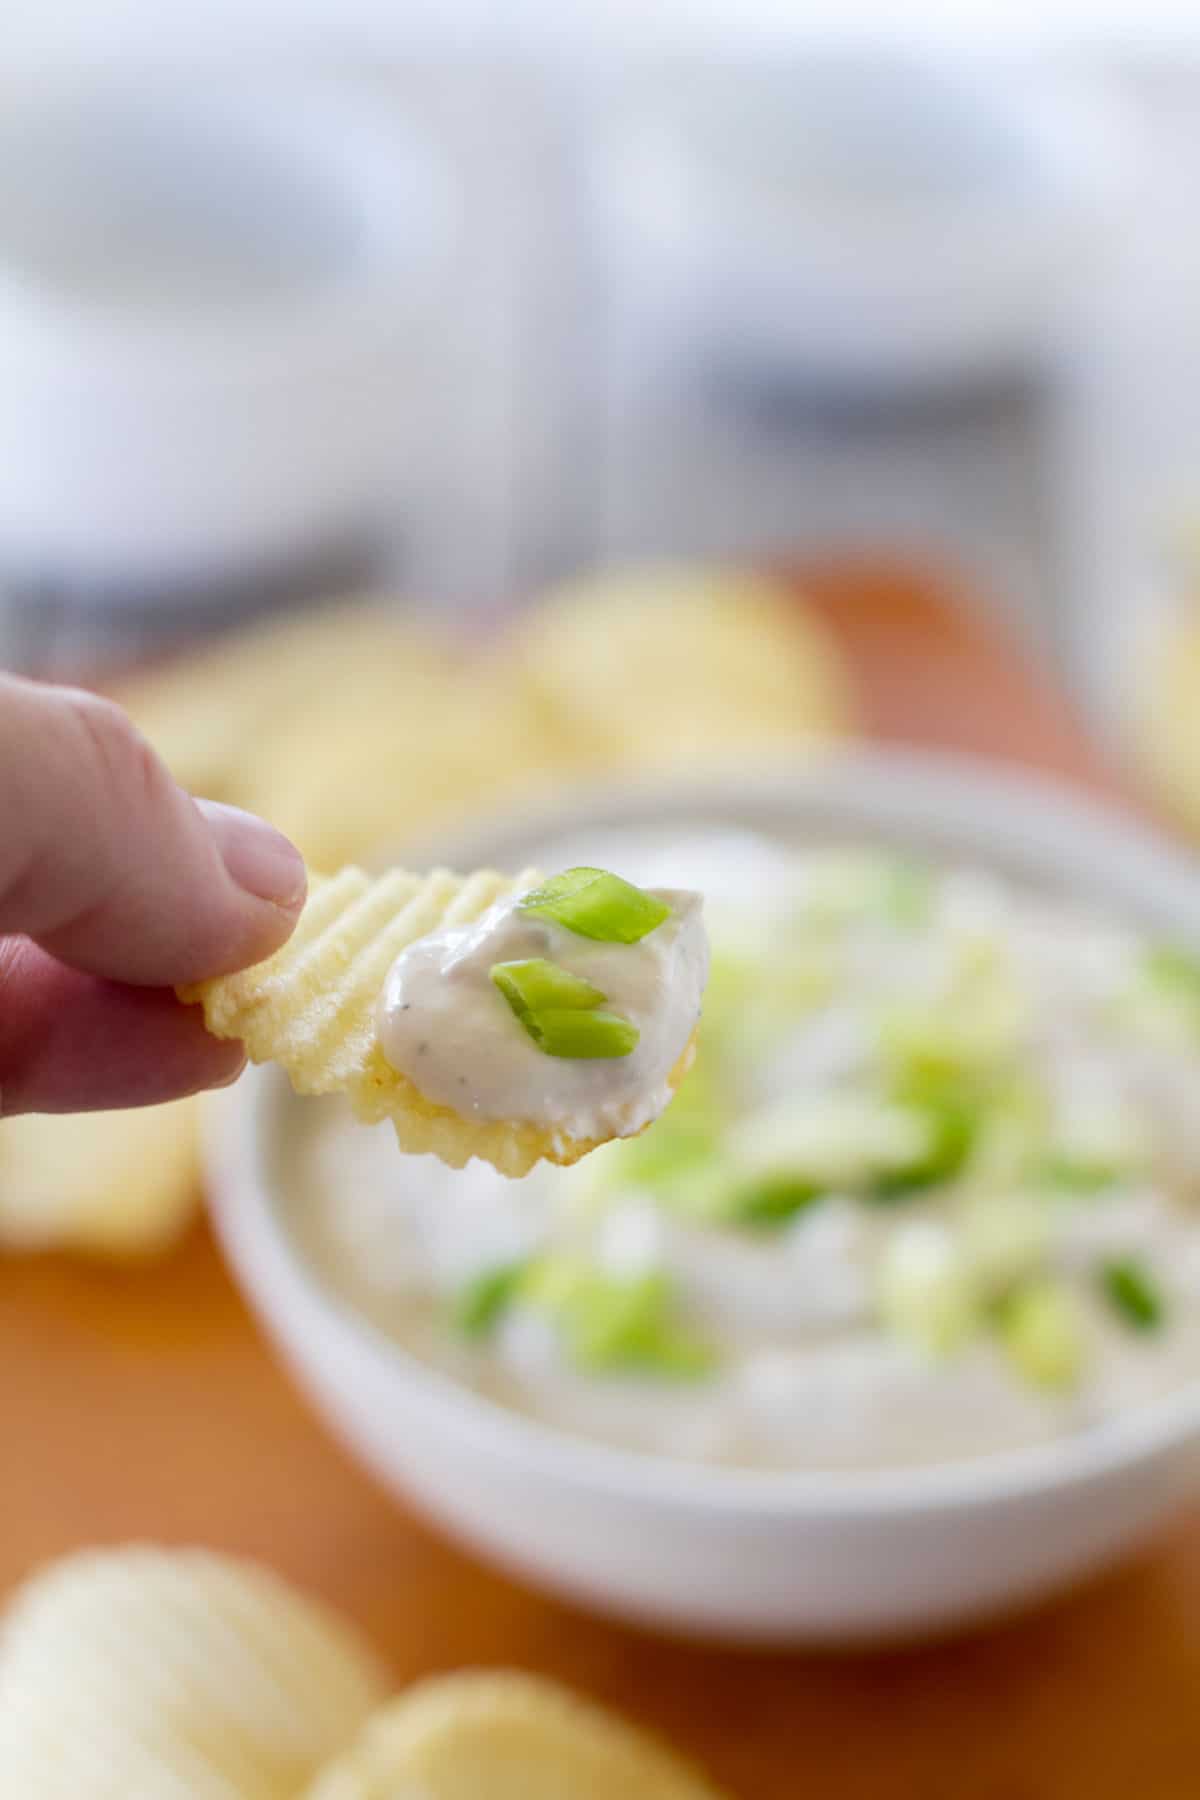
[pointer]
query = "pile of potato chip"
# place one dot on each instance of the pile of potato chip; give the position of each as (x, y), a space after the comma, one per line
(182, 1673)
(355, 728)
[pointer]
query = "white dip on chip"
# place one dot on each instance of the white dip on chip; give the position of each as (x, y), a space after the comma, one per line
(445, 1024)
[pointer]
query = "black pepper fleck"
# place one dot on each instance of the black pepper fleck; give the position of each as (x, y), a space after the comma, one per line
(422, 1048)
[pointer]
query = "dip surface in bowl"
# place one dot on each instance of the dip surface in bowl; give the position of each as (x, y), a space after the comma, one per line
(929, 1192)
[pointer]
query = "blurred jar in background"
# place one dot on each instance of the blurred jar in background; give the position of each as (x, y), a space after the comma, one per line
(502, 472)
(216, 301)
(1132, 443)
(837, 296)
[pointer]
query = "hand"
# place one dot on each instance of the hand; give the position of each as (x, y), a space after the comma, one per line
(114, 886)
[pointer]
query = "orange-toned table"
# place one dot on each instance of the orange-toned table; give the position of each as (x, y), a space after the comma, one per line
(146, 1405)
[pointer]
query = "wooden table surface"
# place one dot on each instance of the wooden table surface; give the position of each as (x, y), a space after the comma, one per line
(145, 1405)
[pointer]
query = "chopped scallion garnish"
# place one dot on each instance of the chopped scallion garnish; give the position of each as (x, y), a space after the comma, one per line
(613, 1324)
(907, 891)
(927, 1291)
(481, 1303)
(536, 985)
(587, 1036)
(1177, 970)
(1133, 1291)
(951, 1129)
(594, 904)
(560, 1011)
(1043, 1333)
(1076, 1174)
(769, 1200)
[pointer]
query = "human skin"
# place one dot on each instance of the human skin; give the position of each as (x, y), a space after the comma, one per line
(115, 885)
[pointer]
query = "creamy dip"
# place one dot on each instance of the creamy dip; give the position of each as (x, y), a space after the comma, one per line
(931, 1191)
(443, 1022)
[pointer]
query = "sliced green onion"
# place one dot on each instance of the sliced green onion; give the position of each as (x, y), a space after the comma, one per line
(1077, 1174)
(907, 891)
(585, 1036)
(560, 1011)
(552, 1281)
(536, 986)
(1134, 1293)
(1005, 1238)
(1175, 969)
(971, 1034)
(848, 885)
(613, 1323)
(951, 1129)
(487, 1296)
(656, 1158)
(1043, 1334)
(595, 904)
(673, 1353)
(769, 1200)
(927, 1292)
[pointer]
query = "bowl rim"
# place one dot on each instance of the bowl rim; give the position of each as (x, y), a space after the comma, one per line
(895, 784)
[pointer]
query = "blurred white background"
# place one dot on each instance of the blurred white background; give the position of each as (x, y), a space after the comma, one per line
(984, 356)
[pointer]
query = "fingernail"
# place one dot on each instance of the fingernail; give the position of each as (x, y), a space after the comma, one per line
(235, 1073)
(259, 858)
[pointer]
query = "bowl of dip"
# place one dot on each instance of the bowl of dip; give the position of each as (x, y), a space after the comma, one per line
(893, 1321)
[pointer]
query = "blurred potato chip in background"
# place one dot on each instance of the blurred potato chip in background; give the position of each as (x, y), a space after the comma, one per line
(208, 713)
(353, 728)
(155, 1673)
(119, 1184)
(666, 667)
(360, 769)
(505, 1736)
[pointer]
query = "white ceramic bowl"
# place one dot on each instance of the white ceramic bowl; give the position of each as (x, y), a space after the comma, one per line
(858, 217)
(746, 1554)
(212, 295)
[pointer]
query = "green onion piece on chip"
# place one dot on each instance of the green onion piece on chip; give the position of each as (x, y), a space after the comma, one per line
(538, 986)
(595, 904)
(560, 1011)
(585, 1035)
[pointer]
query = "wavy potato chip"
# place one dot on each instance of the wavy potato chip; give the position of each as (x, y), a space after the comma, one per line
(506, 1736)
(674, 666)
(311, 1007)
(147, 1674)
(121, 1184)
(375, 763)
(210, 714)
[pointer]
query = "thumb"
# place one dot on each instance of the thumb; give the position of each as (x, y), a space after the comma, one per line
(108, 865)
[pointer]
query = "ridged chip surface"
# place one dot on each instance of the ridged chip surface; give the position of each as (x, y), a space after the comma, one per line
(506, 1736)
(111, 1184)
(148, 1674)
